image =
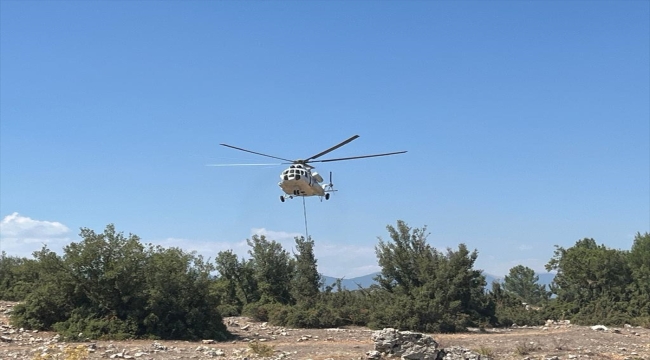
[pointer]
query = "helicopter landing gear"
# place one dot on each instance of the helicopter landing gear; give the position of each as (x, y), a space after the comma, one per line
(281, 198)
(327, 196)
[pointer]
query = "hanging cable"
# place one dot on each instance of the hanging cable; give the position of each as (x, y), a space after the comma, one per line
(304, 210)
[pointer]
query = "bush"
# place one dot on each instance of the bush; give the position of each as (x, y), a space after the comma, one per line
(525, 347)
(79, 327)
(508, 315)
(256, 311)
(228, 310)
(274, 313)
(485, 351)
(261, 349)
(643, 321)
(42, 308)
(111, 286)
(304, 315)
(319, 316)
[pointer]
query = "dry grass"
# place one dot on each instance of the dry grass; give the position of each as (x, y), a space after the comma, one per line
(261, 349)
(525, 347)
(485, 351)
(78, 352)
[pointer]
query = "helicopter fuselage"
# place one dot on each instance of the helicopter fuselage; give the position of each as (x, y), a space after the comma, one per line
(298, 180)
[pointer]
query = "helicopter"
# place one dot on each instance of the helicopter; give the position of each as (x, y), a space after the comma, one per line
(299, 179)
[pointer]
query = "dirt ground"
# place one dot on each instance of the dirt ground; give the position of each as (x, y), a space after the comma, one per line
(551, 342)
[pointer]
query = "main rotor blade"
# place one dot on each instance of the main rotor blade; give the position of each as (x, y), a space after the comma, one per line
(273, 164)
(256, 153)
(360, 157)
(331, 149)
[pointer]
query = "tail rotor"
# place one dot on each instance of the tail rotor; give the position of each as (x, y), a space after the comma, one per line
(329, 188)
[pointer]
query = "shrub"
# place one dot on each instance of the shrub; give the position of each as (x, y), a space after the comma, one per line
(261, 349)
(643, 321)
(79, 327)
(525, 347)
(508, 315)
(228, 310)
(111, 286)
(316, 317)
(485, 351)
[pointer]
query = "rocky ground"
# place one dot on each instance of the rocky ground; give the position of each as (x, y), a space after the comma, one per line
(256, 340)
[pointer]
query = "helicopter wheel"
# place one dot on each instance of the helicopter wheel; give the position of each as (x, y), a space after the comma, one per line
(327, 196)
(281, 198)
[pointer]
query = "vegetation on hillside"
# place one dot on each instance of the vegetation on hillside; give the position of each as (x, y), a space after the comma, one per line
(109, 285)
(112, 286)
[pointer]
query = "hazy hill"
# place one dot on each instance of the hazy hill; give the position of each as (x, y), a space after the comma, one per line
(351, 284)
(367, 280)
(544, 279)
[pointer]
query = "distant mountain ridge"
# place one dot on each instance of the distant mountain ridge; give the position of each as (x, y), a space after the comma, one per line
(351, 284)
(544, 279)
(366, 280)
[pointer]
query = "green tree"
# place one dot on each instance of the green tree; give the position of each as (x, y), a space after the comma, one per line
(178, 300)
(108, 269)
(306, 279)
(592, 282)
(509, 309)
(16, 277)
(523, 283)
(427, 290)
(639, 262)
(110, 285)
(406, 261)
(47, 301)
(239, 279)
(273, 270)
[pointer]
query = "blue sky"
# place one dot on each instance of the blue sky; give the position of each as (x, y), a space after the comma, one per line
(527, 124)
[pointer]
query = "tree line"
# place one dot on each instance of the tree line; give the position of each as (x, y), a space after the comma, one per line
(109, 285)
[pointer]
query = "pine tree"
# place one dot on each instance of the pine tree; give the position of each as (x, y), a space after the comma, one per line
(523, 283)
(273, 270)
(306, 280)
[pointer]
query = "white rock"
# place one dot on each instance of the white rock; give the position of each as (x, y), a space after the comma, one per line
(599, 328)
(373, 355)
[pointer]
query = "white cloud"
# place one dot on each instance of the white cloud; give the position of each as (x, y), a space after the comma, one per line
(345, 260)
(21, 235)
(525, 247)
(16, 225)
(274, 235)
